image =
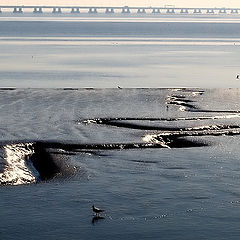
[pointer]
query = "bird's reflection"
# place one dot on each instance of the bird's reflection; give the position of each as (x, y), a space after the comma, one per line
(95, 219)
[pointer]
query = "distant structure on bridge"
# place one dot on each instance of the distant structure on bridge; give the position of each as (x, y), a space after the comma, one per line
(168, 9)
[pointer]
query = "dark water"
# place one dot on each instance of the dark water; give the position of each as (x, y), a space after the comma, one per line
(163, 163)
(116, 28)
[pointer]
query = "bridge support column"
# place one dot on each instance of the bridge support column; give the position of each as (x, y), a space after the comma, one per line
(37, 10)
(223, 11)
(156, 10)
(234, 11)
(109, 10)
(170, 11)
(0, 10)
(92, 10)
(141, 10)
(210, 11)
(57, 10)
(197, 11)
(75, 10)
(125, 9)
(17, 10)
(184, 11)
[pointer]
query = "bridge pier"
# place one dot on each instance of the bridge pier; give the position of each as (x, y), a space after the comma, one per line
(184, 11)
(0, 10)
(92, 10)
(222, 11)
(170, 11)
(125, 9)
(210, 11)
(17, 10)
(156, 10)
(234, 11)
(141, 10)
(109, 10)
(75, 10)
(197, 11)
(57, 10)
(37, 10)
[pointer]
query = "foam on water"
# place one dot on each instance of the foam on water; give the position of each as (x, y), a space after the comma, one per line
(18, 169)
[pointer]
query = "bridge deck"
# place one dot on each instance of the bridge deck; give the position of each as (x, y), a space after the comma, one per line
(123, 9)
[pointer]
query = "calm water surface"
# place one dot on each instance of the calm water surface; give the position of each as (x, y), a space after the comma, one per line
(163, 163)
(107, 52)
(185, 187)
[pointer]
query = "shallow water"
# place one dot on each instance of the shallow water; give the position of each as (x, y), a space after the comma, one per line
(170, 188)
(108, 52)
(163, 163)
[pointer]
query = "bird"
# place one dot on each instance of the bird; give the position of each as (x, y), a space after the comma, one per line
(97, 210)
(237, 76)
(119, 87)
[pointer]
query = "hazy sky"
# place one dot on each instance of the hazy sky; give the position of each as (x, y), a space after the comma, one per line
(192, 3)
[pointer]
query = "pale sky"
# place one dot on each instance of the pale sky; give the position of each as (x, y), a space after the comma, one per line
(160, 3)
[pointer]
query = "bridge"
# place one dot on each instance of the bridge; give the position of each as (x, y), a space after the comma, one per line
(111, 10)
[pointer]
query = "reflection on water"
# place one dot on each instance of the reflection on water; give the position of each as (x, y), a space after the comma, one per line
(95, 219)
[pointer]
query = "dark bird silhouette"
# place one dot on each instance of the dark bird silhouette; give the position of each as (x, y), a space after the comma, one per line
(97, 210)
(119, 87)
(237, 76)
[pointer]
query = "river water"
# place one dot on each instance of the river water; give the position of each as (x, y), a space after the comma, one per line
(161, 160)
(107, 52)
